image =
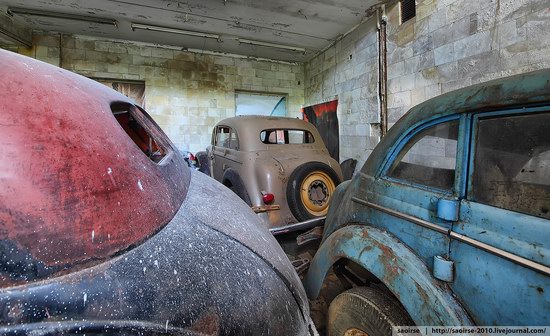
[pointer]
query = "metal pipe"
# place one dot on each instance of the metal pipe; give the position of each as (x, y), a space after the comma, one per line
(311, 223)
(383, 72)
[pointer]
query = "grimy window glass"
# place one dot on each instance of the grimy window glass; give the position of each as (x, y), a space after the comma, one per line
(408, 10)
(133, 121)
(286, 136)
(429, 158)
(222, 136)
(512, 163)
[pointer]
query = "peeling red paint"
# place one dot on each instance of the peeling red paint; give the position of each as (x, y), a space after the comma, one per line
(71, 176)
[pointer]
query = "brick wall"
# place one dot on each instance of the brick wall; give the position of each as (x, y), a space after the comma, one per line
(186, 93)
(448, 45)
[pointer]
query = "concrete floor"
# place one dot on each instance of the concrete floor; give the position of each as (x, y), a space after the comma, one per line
(331, 287)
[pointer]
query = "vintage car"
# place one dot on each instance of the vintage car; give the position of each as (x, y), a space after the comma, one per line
(278, 166)
(448, 221)
(105, 230)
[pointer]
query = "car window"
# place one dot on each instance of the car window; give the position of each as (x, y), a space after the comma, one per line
(223, 136)
(512, 163)
(234, 142)
(286, 136)
(135, 123)
(429, 157)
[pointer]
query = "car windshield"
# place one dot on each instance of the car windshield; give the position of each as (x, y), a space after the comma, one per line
(286, 136)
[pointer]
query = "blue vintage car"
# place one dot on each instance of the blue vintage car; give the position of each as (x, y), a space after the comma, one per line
(448, 221)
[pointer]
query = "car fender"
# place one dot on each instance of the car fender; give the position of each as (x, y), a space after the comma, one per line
(232, 176)
(428, 301)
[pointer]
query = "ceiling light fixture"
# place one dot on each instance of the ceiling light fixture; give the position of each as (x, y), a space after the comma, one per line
(33, 12)
(174, 31)
(271, 45)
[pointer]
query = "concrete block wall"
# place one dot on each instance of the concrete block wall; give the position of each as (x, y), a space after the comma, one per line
(448, 45)
(186, 93)
(348, 71)
(453, 44)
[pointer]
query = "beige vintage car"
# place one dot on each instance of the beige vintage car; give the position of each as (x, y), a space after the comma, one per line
(278, 166)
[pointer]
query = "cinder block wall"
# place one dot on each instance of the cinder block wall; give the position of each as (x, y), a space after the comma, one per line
(348, 71)
(448, 45)
(186, 93)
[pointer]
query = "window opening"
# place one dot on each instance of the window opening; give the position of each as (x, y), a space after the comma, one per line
(286, 136)
(429, 157)
(223, 137)
(408, 10)
(512, 163)
(234, 141)
(247, 103)
(133, 90)
(128, 118)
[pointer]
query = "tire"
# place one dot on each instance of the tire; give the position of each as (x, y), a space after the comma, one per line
(309, 189)
(365, 311)
(203, 162)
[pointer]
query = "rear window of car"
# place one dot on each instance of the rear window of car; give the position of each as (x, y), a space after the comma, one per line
(139, 127)
(286, 136)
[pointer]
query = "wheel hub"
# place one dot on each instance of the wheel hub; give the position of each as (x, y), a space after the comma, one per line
(315, 192)
(318, 193)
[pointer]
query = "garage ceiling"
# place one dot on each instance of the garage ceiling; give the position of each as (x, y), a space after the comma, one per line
(289, 30)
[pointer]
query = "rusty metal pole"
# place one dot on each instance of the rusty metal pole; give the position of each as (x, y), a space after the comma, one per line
(383, 72)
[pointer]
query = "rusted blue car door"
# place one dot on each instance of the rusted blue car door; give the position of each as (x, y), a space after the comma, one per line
(500, 242)
(419, 174)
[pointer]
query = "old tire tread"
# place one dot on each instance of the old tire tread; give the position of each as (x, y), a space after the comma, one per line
(366, 309)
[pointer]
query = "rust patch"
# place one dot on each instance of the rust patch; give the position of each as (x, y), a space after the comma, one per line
(207, 324)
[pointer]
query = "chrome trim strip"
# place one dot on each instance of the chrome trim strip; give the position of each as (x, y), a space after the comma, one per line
(501, 253)
(401, 215)
(459, 237)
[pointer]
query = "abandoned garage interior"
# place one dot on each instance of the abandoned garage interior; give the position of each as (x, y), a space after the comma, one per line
(353, 68)
(191, 80)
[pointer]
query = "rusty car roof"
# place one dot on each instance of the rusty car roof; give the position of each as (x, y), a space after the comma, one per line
(515, 91)
(75, 187)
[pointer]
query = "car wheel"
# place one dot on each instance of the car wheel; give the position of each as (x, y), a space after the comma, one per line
(365, 311)
(309, 189)
(204, 163)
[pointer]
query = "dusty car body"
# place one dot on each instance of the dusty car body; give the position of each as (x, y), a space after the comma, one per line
(104, 228)
(450, 216)
(285, 158)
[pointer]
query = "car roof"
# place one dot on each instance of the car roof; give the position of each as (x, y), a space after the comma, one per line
(515, 91)
(248, 129)
(75, 187)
